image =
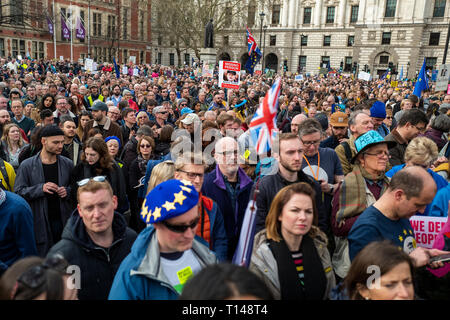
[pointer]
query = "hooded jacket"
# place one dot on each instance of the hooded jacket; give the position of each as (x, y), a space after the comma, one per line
(98, 265)
(140, 276)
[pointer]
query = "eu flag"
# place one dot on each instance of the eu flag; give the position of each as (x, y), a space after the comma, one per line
(116, 67)
(252, 62)
(422, 81)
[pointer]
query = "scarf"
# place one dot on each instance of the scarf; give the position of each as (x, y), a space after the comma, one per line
(142, 164)
(352, 198)
(315, 280)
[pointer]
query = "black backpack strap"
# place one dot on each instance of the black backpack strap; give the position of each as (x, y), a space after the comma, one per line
(348, 151)
(5, 174)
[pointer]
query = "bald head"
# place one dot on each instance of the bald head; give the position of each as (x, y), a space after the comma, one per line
(296, 122)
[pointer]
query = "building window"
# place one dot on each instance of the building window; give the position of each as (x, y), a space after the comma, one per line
(124, 23)
(171, 59)
(390, 8)
(2, 48)
(15, 47)
(187, 59)
(302, 63)
(354, 14)
(324, 61)
(434, 38)
(22, 51)
(141, 25)
(386, 38)
(226, 40)
(307, 15)
(330, 14)
(159, 57)
(251, 15)
(16, 12)
(348, 64)
(326, 41)
(303, 41)
(273, 40)
(228, 17)
(159, 40)
(430, 63)
(439, 8)
(350, 41)
(141, 57)
(111, 31)
(276, 14)
(125, 56)
(384, 59)
(97, 24)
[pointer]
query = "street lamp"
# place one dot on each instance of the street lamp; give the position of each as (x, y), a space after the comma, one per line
(261, 16)
(264, 45)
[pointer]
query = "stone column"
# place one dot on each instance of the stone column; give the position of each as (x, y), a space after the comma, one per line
(291, 13)
(342, 11)
(317, 13)
(284, 16)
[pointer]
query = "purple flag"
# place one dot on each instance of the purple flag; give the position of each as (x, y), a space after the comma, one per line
(80, 31)
(50, 25)
(64, 29)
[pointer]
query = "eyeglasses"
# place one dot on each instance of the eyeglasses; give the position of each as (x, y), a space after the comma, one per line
(229, 153)
(183, 104)
(193, 175)
(163, 112)
(85, 181)
(34, 277)
(389, 117)
(180, 228)
(420, 129)
(146, 146)
(379, 154)
(310, 143)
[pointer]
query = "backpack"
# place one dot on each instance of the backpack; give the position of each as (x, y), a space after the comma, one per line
(348, 151)
(5, 176)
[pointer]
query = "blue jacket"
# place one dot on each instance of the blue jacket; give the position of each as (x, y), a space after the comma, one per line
(16, 229)
(140, 276)
(440, 183)
(439, 206)
(214, 188)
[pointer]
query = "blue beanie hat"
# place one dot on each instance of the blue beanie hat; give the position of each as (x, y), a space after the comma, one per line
(378, 110)
(169, 199)
(113, 138)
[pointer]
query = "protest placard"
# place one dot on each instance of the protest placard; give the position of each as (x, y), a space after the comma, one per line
(229, 74)
(364, 76)
(299, 77)
(442, 77)
(89, 64)
(208, 70)
(426, 229)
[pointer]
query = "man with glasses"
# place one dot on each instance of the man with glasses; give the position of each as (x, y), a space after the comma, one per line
(230, 187)
(44, 181)
(164, 95)
(161, 114)
(113, 113)
(288, 151)
(321, 164)
(25, 123)
(411, 124)
(168, 253)
(62, 109)
(191, 167)
(95, 238)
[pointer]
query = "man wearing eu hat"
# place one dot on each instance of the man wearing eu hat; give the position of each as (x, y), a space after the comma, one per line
(102, 122)
(378, 114)
(167, 253)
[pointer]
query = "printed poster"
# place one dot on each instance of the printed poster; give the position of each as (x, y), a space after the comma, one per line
(229, 74)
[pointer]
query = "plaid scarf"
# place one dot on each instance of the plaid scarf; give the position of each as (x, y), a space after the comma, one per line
(352, 198)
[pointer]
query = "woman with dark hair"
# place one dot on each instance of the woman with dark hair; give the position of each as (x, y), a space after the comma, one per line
(34, 147)
(291, 254)
(96, 161)
(394, 267)
(85, 117)
(165, 138)
(236, 283)
(438, 131)
(42, 280)
(47, 102)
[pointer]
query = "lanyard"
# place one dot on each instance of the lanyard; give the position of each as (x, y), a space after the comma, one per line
(318, 166)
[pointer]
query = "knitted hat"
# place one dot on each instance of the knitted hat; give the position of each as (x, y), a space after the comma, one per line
(378, 110)
(169, 199)
(113, 138)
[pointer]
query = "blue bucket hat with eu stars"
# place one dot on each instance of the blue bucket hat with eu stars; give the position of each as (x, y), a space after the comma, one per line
(369, 139)
(167, 200)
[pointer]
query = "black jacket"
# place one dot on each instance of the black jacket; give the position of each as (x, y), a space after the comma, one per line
(98, 265)
(270, 185)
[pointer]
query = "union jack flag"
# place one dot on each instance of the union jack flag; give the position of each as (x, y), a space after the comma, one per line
(251, 43)
(263, 125)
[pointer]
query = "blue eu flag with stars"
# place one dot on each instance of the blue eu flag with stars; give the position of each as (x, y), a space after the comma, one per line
(422, 81)
(252, 62)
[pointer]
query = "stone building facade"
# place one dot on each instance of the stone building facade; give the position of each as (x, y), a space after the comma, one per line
(307, 34)
(121, 26)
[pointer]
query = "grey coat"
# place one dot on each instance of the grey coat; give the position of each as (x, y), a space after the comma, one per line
(29, 185)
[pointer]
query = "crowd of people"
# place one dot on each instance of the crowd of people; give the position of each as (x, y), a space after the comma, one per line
(142, 183)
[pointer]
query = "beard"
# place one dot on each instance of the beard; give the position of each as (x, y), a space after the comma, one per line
(294, 167)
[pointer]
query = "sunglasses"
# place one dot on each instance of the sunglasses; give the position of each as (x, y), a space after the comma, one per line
(85, 181)
(163, 112)
(180, 228)
(145, 146)
(35, 277)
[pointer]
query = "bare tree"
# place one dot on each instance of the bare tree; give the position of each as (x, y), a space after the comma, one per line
(184, 21)
(26, 14)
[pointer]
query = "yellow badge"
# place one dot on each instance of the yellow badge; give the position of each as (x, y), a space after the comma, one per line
(185, 274)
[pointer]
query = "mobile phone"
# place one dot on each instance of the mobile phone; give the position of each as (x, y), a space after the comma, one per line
(440, 258)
